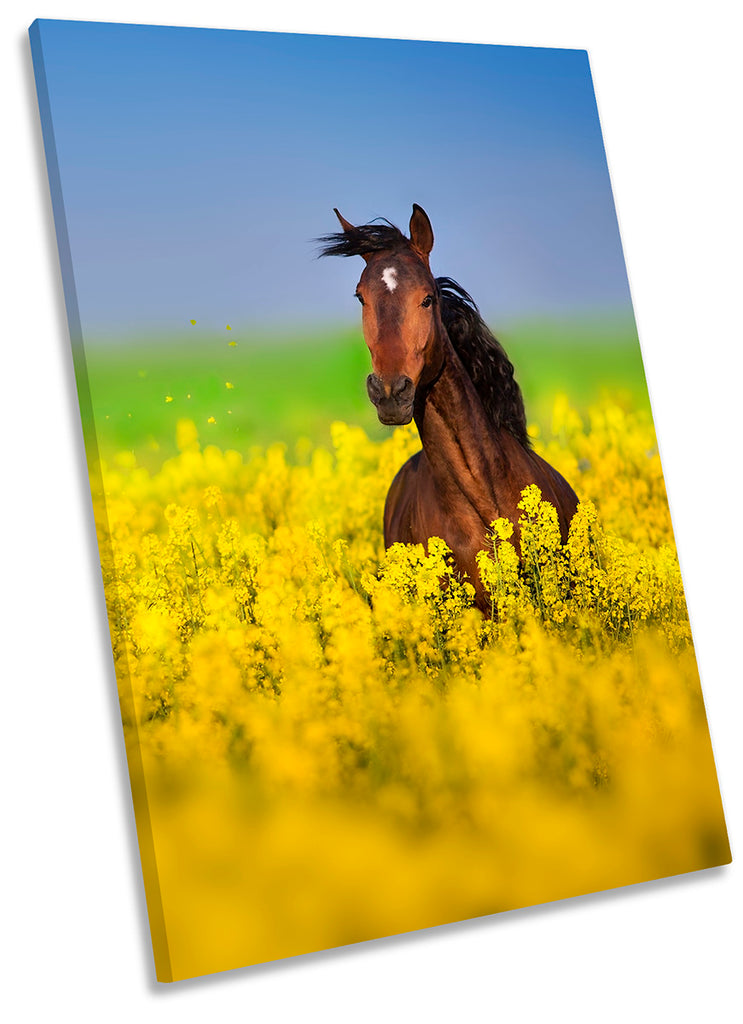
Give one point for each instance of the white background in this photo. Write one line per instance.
(668, 81)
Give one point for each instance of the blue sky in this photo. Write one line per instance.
(198, 165)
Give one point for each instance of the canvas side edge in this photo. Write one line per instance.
(137, 780)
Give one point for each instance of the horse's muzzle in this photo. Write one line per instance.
(393, 401)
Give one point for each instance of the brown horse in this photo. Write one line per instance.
(434, 359)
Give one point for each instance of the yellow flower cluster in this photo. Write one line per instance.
(596, 582)
(327, 741)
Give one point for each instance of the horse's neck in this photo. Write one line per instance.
(466, 453)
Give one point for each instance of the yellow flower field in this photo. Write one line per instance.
(328, 745)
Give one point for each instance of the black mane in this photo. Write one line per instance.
(483, 356)
(484, 359)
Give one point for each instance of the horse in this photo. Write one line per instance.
(435, 360)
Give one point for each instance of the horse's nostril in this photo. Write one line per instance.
(374, 388)
(398, 392)
(402, 388)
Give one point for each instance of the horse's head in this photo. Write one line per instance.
(400, 316)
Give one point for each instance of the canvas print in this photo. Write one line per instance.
(396, 613)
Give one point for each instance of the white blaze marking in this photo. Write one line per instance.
(389, 276)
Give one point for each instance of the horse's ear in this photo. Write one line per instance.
(345, 224)
(421, 232)
(350, 229)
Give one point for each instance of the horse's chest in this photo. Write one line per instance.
(418, 510)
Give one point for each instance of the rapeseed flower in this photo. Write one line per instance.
(337, 745)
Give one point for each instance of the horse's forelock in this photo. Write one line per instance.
(364, 240)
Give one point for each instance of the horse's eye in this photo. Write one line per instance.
(427, 301)
(359, 297)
